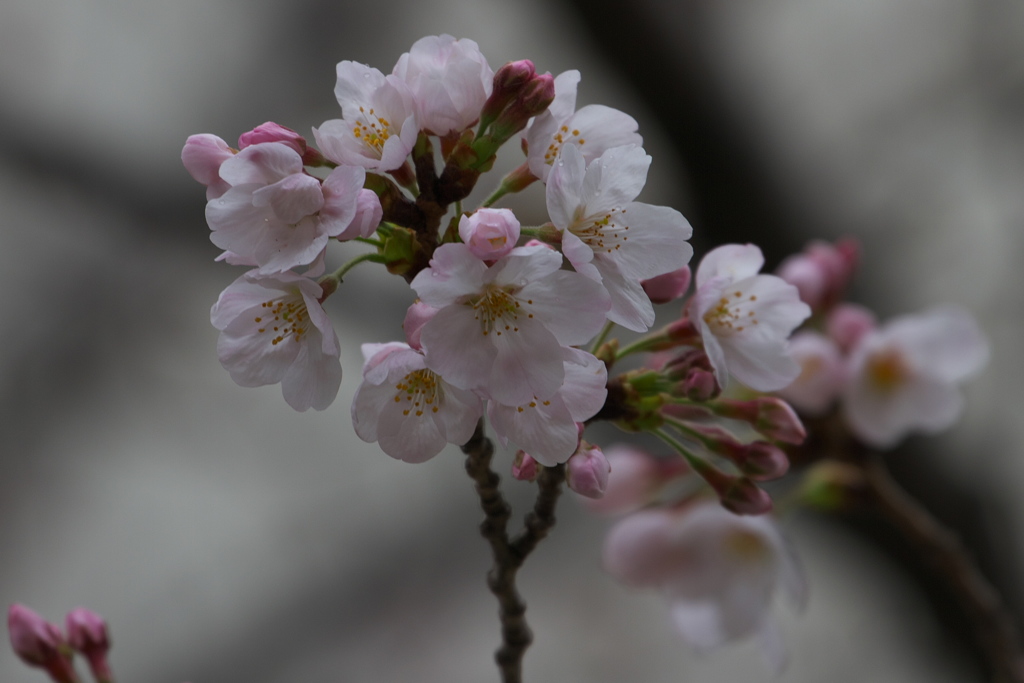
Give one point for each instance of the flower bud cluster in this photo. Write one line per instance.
(42, 644)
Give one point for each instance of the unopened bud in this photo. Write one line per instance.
(738, 494)
(415, 318)
(533, 99)
(87, 633)
(668, 287)
(524, 467)
(769, 415)
(848, 323)
(700, 385)
(489, 233)
(744, 497)
(508, 81)
(273, 132)
(586, 472)
(39, 643)
(763, 461)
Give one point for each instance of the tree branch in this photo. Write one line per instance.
(509, 555)
(996, 634)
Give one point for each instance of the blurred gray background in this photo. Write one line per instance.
(230, 539)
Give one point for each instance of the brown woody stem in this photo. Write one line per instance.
(509, 554)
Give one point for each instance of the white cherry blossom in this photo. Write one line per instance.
(720, 572)
(273, 329)
(449, 79)
(904, 375)
(546, 428)
(501, 328)
(592, 129)
(410, 410)
(745, 318)
(378, 125)
(609, 237)
(276, 216)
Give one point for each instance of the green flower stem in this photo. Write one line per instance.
(601, 336)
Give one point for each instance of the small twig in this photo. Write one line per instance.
(996, 633)
(509, 555)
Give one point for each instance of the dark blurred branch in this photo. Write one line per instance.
(509, 555)
(992, 625)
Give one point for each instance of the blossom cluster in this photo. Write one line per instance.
(510, 324)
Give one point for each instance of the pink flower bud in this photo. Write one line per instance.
(700, 385)
(489, 233)
(668, 287)
(538, 243)
(532, 99)
(508, 81)
(848, 323)
(769, 415)
(415, 318)
(809, 279)
(39, 643)
(524, 467)
(633, 481)
(87, 633)
(273, 132)
(822, 272)
(202, 156)
(368, 215)
(586, 472)
(743, 497)
(763, 461)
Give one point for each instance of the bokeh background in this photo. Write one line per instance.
(230, 539)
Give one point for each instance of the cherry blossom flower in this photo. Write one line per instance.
(378, 125)
(501, 328)
(547, 428)
(449, 79)
(202, 156)
(409, 410)
(635, 480)
(276, 216)
(610, 238)
(746, 318)
(489, 233)
(822, 373)
(592, 130)
(273, 329)
(904, 375)
(720, 572)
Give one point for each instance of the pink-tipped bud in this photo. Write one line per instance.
(367, 217)
(508, 81)
(532, 99)
(848, 323)
(538, 243)
(524, 467)
(822, 272)
(668, 287)
(202, 156)
(489, 233)
(39, 643)
(273, 132)
(744, 497)
(763, 461)
(415, 318)
(87, 633)
(700, 385)
(634, 479)
(769, 415)
(586, 472)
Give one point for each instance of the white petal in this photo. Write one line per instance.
(453, 273)
(730, 261)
